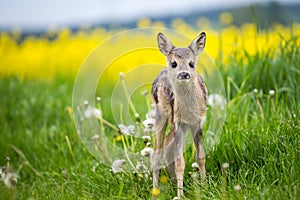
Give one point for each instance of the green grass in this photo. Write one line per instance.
(262, 146)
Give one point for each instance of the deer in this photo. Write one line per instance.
(180, 96)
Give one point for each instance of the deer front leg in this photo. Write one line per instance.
(179, 159)
(200, 154)
(156, 159)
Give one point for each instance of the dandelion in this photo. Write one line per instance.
(148, 144)
(163, 179)
(98, 99)
(155, 191)
(271, 93)
(216, 100)
(139, 166)
(69, 110)
(151, 114)
(149, 124)
(118, 138)
(86, 103)
(145, 92)
(195, 166)
(225, 166)
(117, 165)
(126, 130)
(147, 152)
(146, 138)
(92, 112)
(95, 137)
(121, 75)
(237, 188)
(255, 91)
(9, 179)
(137, 117)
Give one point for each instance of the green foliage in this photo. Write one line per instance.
(260, 140)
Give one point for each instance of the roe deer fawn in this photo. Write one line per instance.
(180, 96)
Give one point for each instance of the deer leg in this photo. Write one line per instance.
(200, 154)
(156, 159)
(170, 153)
(179, 159)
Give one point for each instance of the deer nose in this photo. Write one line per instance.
(183, 76)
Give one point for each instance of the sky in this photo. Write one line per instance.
(56, 13)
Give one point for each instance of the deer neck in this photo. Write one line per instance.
(189, 104)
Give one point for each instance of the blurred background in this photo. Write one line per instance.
(36, 16)
(41, 39)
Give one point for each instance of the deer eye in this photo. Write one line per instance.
(192, 64)
(173, 64)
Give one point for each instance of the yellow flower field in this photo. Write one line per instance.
(38, 57)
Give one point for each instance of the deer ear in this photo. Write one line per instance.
(164, 44)
(198, 43)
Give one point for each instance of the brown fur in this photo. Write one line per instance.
(180, 96)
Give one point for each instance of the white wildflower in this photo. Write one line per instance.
(216, 100)
(98, 99)
(225, 166)
(92, 112)
(121, 75)
(11, 179)
(146, 138)
(195, 166)
(148, 144)
(237, 188)
(139, 166)
(2, 173)
(126, 130)
(95, 137)
(271, 93)
(151, 114)
(149, 123)
(86, 103)
(147, 152)
(255, 91)
(117, 165)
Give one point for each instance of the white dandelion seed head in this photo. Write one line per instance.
(237, 188)
(10, 179)
(225, 165)
(151, 114)
(86, 103)
(2, 173)
(126, 130)
(149, 122)
(146, 138)
(121, 75)
(271, 93)
(117, 165)
(216, 100)
(92, 112)
(137, 115)
(95, 137)
(98, 99)
(147, 152)
(139, 166)
(255, 91)
(195, 166)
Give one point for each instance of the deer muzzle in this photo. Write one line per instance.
(183, 75)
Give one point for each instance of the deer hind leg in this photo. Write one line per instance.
(179, 159)
(156, 159)
(200, 154)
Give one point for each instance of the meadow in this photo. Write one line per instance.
(257, 156)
